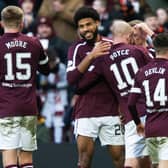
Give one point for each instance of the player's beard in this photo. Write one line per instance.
(93, 40)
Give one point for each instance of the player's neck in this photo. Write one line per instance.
(145, 44)
(11, 30)
(98, 38)
(117, 40)
(164, 56)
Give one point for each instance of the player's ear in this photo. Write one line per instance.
(78, 33)
(2, 24)
(129, 37)
(21, 26)
(97, 23)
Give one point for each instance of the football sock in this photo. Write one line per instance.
(27, 165)
(11, 166)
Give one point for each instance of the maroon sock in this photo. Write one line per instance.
(12, 166)
(27, 165)
(127, 167)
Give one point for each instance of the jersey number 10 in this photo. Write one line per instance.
(122, 84)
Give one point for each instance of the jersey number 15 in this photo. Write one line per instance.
(20, 65)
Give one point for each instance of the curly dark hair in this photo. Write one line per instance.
(85, 12)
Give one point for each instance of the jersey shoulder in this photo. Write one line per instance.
(75, 46)
(107, 39)
(33, 40)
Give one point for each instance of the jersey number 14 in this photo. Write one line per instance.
(159, 94)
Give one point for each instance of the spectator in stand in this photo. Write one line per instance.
(105, 18)
(4, 3)
(56, 95)
(61, 12)
(140, 6)
(162, 15)
(128, 11)
(152, 21)
(49, 38)
(29, 18)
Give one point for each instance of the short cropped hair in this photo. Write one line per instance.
(12, 16)
(86, 12)
(160, 43)
(132, 23)
(120, 28)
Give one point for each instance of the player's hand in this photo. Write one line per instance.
(144, 27)
(101, 48)
(141, 129)
(122, 118)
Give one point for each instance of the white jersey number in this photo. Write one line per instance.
(19, 65)
(124, 66)
(159, 93)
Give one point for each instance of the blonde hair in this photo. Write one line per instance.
(134, 22)
(12, 16)
(120, 28)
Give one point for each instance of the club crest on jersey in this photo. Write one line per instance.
(70, 62)
(91, 68)
(87, 53)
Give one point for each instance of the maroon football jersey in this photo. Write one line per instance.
(119, 69)
(20, 58)
(149, 51)
(95, 100)
(151, 82)
(152, 52)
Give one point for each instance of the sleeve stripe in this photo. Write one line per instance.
(107, 39)
(135, 90)
(72, 67)
(151, 49)
(42, 62)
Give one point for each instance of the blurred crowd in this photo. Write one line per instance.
(52, 22)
